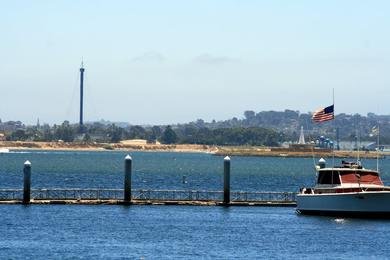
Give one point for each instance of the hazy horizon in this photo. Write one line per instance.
(174, 62)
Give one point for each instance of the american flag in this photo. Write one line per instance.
(324, 114)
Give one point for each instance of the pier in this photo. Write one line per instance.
(148, 197)
(129, 196)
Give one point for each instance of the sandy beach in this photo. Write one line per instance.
(217, 150)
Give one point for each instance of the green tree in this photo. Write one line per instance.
(115, 133)
(47, 135)
(249, 114)
(65, 132)
(156, 132)
(137, 132)
(86, 138)
(169, 136)
(18, 135)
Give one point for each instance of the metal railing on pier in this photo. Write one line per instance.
(143, 194)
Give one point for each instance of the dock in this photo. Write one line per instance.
(148, 197)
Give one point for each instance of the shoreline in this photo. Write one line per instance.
(189, 148)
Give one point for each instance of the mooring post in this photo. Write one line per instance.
(27, 182)
(226, 180)
(127, 193)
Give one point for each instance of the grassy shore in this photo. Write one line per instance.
(317, 153)
(217, 150)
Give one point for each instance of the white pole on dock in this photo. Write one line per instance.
(27, 182)
(127, 191)
(226, 180)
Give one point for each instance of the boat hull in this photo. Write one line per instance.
(356, 204)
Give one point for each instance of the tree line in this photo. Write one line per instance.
(269, 128)
(179, 134)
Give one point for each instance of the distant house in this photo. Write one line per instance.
(2, 137)
(91, 137)
(99, 137)
(79, 137)
(371, 146)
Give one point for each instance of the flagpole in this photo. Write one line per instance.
(334, 128)
(333, 97)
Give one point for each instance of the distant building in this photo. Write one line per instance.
(2, 137)
(301, 145)
(371, 146)
(351, 145)
(79, 137)
(302, 137)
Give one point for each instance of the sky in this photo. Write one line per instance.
(165, 62)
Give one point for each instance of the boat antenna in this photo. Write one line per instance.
(377, 151)
(312, 151)
(358, 141)
(311, 145)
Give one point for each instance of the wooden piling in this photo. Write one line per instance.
(27, 182)
(127, 191)
(226, 180)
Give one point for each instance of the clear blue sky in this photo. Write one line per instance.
(162, 62)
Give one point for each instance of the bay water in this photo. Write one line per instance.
(181, 232)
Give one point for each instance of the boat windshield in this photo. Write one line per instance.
(328, 177)
(361, 177)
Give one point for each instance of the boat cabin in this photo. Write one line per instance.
(350, 177)
(349, 174)
(339, 176)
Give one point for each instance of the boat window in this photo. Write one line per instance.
(349, 177)
(361, 177)
(328, 177)
(370, 178)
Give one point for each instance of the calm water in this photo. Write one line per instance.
(166, 232)
(161, 171)
(174, 232)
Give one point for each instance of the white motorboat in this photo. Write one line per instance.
(4, 150)
(347, 190)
